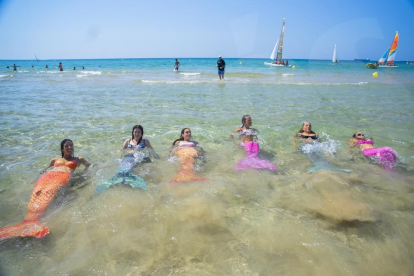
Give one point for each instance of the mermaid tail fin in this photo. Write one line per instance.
(252, 161)
(186, 176)
(27, 228)
(123, 177)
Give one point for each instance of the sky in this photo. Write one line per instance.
(176, 29)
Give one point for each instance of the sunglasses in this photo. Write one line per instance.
(360, 134)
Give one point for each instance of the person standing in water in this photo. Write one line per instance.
(176, 65)
(221, 64)
(60, 66)
(15, 67)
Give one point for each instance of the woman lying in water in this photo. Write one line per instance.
(139, 151)
(187, 151)
(386, 156)
(247, 135)
(315, 150)
(45, 190)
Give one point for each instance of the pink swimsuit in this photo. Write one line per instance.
(386, 156)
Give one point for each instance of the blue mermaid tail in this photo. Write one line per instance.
(315, 153)
(124, 175)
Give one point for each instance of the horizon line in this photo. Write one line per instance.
(39, 60)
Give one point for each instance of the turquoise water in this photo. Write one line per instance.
(237, 223)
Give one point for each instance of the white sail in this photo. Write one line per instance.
(334, 57)
(273, 55)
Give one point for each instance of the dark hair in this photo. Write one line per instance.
(301, 129)
(244, 119)
(181, 136)
(63, 143)
(142, 132)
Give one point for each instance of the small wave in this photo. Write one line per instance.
(190, 74)
(54, 72)
(328, 145)
(172, 81)
(3, 76)
(324, 83)
(286, 75)
(193, 81)
(92, 72)
(81, 76)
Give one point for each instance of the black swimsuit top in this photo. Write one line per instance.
(314, 137)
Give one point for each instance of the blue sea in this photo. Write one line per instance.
(238, 223)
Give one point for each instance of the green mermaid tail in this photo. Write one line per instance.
(123, 177)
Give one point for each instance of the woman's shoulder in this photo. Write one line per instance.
(238, 129)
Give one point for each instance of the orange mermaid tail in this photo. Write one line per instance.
(186, 176)
(187, 156)
(43, 194)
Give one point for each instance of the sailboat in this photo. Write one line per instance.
(387, 59)
(335, 56)
(276, 55)
(37, 60)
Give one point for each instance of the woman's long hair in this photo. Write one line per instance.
(244, 119)
(301, 129)
(181, 136)
(62, 144)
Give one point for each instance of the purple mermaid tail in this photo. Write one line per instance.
(252, 161)
(386, 156)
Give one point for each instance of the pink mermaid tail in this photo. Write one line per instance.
(252, 161)
(43, 194)
(386, 156)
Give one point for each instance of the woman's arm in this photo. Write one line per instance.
(84, 162)
(51, 163)
(125, 145)
(151, 149)
(352, 143)
(231, 136)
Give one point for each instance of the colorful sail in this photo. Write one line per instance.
(384, 57)
(393, 50)
(282, 34)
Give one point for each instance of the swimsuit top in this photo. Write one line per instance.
(314, 137)
(247, 132)
(360, 142)
(186, 144)
(71, 164)
(141, 145)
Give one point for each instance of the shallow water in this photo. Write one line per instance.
(237, 223)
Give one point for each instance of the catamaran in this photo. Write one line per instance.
(276, 55)
(387, 59)
(335, 56)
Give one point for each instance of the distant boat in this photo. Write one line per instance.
(276, 55)
(335, 56)
(36, 58)
(387, 59)
(362, 59)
